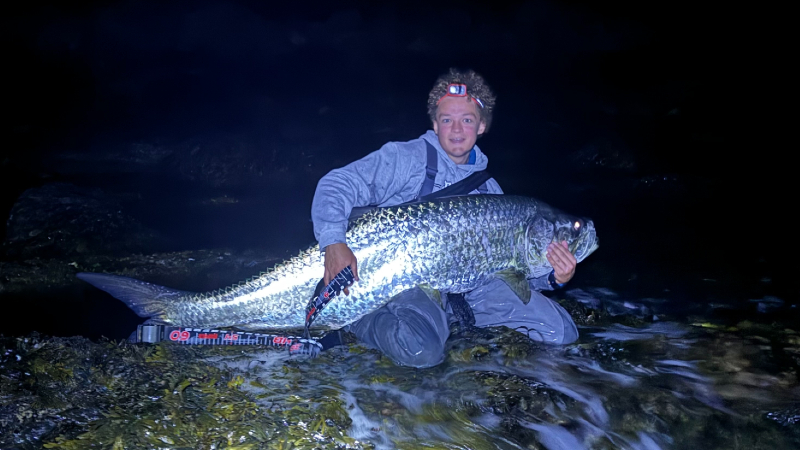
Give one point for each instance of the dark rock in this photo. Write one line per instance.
(223, 161)
(126, 157)
(63, 220)
(198, 269)
(605, 155)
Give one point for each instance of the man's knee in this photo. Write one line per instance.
(411, 331)
(557, 334)
(570, 331)
(541, 319)
(552, 323)
(567, 332)
(419, 341)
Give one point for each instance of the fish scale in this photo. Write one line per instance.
(452, 245)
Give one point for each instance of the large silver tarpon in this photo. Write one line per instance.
(452, 244)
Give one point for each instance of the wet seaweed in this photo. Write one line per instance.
(697, 384)
(71, 393)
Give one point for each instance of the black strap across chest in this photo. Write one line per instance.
(476, 180)
(432, 168)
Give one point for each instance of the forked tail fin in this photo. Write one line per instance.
(145, 299)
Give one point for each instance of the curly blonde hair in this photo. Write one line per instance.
(476, 88)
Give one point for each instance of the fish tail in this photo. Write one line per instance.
(145, 299)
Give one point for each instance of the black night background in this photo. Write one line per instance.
(143, 138)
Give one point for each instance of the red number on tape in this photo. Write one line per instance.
(281, 340)
(177, 335)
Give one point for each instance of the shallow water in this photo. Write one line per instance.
(661, 385)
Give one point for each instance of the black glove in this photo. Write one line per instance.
(461, 310)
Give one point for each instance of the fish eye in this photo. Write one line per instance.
(577, 225)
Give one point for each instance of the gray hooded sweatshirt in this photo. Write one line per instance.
(386, 177)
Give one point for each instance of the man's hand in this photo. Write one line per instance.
(561, 259)
(337, 257)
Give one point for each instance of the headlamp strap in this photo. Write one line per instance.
(460, 90)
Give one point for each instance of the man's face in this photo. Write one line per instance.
(458, 124)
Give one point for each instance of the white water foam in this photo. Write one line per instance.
(363, 428)
(618, 332)
(554, 437)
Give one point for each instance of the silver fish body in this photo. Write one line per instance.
(451, 245)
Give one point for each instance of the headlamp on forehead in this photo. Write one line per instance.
(459, 90)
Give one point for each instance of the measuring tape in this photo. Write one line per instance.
(197, 336)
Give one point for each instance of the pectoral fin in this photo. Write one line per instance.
(517, 282)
